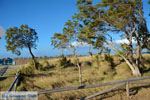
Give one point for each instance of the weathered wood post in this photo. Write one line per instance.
(127, 89)
(15, 87)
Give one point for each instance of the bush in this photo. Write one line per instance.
(117, 60)
(86, 63)
(44, 65)
(64, 62)
(22, 87)
(27, 69)
(106, 68)
(109, 59)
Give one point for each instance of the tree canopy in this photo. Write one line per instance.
(94, 22)
(19, 38)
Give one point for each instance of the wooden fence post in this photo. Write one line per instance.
(14, 82)
(15, 86)
(127, 89)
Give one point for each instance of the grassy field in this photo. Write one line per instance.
(96, 69)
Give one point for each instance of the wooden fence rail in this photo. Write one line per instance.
(6, 76)
(130, 80)
(14, 82)
(102, 92)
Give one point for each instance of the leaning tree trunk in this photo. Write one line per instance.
(131, 62)
(33, 57)
(135, 70)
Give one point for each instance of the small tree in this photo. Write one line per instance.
(19, 38)
(65, 40)
(71, 30)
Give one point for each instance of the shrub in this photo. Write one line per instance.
(27, 69)
(22, 87)
(44, 65)
(64, 62)
(117, 60)
(86, 63)
(109, 59)
(106, 68)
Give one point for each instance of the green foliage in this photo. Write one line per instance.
(69, 35)
(64, 62)
(108, 15)
(93, 23)
(86, 35)
(59, 40)
(22, 37)
(117, 12)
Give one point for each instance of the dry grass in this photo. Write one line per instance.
(5, 83)
(61, 77)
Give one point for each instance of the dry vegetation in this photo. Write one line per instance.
(5, 83)
(51, 75)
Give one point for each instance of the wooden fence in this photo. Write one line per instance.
(14, 83)
(117, 84)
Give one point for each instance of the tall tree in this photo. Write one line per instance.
(125, 16)
(22, 37)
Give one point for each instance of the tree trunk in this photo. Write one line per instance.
(138, 50)
(138, 56)
(135, 70)
(90, 53)
(78, 65)
(33, 57)
(130, 47)
(80, 73)
(131, 63)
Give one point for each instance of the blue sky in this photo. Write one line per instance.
(45, 16)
